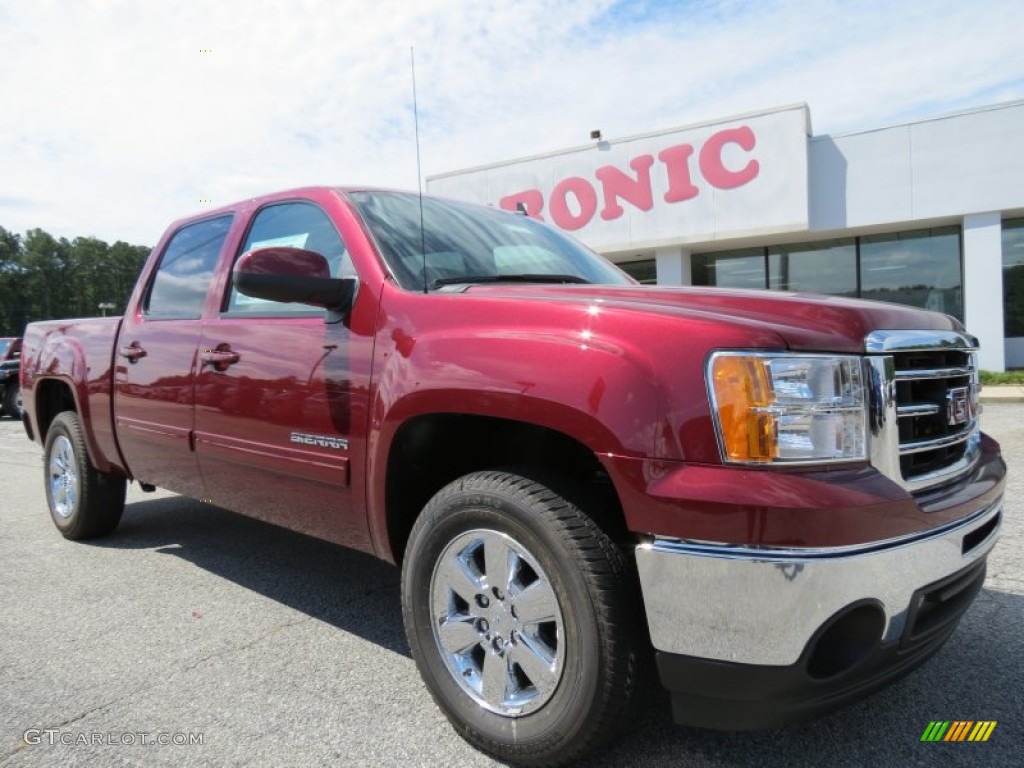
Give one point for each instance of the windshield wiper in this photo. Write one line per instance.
(520, 278)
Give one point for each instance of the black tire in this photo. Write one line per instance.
(12, 401)
(596, 628)
(84, 502)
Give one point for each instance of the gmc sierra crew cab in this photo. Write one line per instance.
(778, 502)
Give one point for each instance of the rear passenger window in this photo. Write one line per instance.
(292, 225)
(186, 268)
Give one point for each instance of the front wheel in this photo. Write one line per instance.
(83, 501)
(520, 613)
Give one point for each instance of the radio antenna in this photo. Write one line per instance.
(419, 172)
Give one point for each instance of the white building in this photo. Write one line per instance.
(929, 213)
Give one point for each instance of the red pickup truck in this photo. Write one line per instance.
(783, 501)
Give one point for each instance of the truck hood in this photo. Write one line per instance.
(806, 322)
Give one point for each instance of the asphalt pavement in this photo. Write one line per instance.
(241, 644)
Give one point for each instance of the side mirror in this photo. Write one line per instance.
(294, 275)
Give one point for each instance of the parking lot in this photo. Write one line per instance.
(274, 649)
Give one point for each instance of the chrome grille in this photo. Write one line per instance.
(924, 411)
(935, 393)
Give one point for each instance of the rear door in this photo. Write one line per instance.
(281, 396)
(155, 359)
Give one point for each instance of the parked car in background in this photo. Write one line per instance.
(10, 366)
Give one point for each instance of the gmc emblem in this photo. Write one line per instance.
(958, 406)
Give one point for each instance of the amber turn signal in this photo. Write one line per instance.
(743, 396)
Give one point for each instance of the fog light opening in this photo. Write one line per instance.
(845, 640)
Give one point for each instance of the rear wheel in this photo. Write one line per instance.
(520, 614)
(83, 501)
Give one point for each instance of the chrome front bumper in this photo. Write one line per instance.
(763, 606)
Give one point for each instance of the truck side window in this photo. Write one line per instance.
(294, 225)
(186, 268)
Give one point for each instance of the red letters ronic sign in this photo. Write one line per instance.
(636, 188)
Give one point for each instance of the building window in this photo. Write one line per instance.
(730, 269)
(825, 267)
(1013, 277)
(920, 268)
(642, 271)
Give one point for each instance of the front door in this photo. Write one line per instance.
(281, 396)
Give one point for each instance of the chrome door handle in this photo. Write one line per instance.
(133, 352)
(220, 358)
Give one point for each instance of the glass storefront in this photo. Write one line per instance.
(643, 271)
(1013, 277)
(730, 269)
(799, 267)
(920, 268)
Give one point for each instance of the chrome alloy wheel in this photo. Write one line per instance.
(497, 622)
(63, 477)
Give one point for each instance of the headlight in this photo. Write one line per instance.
(788, 408)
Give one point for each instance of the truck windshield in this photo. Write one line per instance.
(5, 344)
(465, 243)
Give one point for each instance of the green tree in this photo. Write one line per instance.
(49, 286)
(126, 262)
(12, 277)
(43, 277)
(90, 264)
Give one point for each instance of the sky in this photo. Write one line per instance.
(117, 117)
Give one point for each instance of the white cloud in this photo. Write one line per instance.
(115, 121)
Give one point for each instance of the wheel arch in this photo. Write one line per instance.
(52, 395)
(428, 451)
